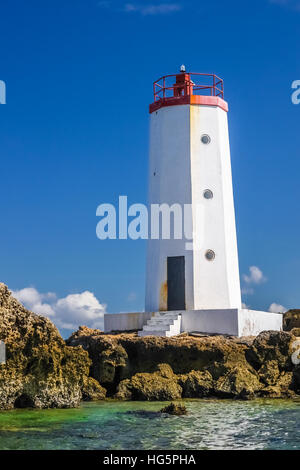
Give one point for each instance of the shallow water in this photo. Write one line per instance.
(112, 425)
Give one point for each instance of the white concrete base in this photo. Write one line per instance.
(126, 321)
(235, 322)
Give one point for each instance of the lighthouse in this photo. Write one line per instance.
(192, 271)
(190, 165)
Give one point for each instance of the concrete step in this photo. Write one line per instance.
(152, 333)
(156, 327)
(162, 324)
(166, 315)
(162, 321)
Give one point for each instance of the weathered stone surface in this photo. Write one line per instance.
(295, 331)
(238, 382)
(40, 370)
(174, 409)
(196, 384)
(156, 368)
(296, 379)
(44, 371)
(159, 385)
(272, 346)
(109, 358)
(291, 319)
(92, 390)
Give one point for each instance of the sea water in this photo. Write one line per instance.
(112, 425)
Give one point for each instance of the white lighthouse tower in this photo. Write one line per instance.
(192, 282)
(190, 165)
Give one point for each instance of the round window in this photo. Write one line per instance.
(210, 255)
(205, 139)
(208, 194)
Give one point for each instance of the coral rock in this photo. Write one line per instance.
(40, 370)
(174, 409)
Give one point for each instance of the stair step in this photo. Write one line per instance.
(161, 322)
(164, 324)
(166, 315)
(152, 333)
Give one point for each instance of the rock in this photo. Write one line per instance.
(281, 388)
(174, 409)
(271, 352)
(296, 379)
(40, 370)
(272, 346)
(196, 384)
(160, 385)
(238, 382)
(157, 368)
(269, 372)
(295, 331)
(109, 358)
(92, 390)
(291, 319)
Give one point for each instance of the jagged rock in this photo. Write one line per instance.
(269, 372)
(109, 358)
(282, 387)
(160, 385)
(92, 390)
(156, 368)
(174, 409)
(40, 370)
(238, 382)
(296, 379)
(272, 346)
(196, 384)
(295, 331)
(291, 319)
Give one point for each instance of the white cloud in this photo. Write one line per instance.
(34, 301)
(151, 9)
(255, 276)
(68, 312)
(277, 308)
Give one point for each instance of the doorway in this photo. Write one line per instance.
(176, 282)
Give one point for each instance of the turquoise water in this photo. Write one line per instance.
(111, 425)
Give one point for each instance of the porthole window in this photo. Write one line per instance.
(208, 194)
(210, 255)
(205, 139)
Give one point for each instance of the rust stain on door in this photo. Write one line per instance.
(163, 297)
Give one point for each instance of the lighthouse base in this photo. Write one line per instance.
(233, 322)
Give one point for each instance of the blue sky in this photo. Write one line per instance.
(74, 134)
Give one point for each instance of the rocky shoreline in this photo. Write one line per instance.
(44, 371)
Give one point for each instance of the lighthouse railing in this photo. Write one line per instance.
(194, 83)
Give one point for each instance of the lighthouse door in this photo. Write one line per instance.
(176, 282)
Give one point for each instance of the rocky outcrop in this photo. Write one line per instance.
(160, 385)
(174, 409)
(156, 368)
(40, 370)
(92, 390)
(291, 319)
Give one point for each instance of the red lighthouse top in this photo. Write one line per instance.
(189, 88)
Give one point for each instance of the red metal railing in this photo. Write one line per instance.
(188, 84)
